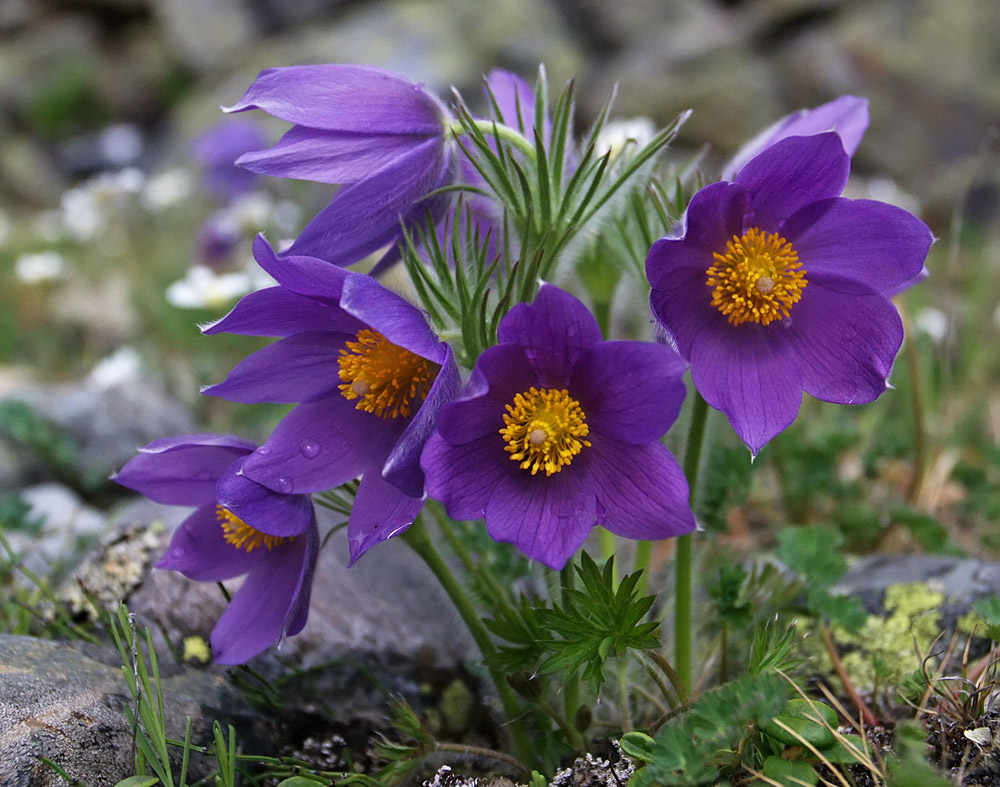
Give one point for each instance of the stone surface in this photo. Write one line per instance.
(67, 702)
(108, 423)
(962, 581)
(66, 523)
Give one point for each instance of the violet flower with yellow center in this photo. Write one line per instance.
(238, 527)
(777, 285)
(558, 431)
(368, 376)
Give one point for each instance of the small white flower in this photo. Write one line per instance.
(166, 189)
(203, 288)
(931, 322)
(624, 136)
(251, 211)
(39, 267)
(121, 143)
(86, 208)
(122, 366)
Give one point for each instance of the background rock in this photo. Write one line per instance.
(67, 703)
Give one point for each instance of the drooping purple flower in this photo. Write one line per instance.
(369, 377)
(559, 430)
(217, 150)
(779, 286)
(846, 115)
(383, 138)
(238, 527)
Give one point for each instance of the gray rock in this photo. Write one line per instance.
(66, 524)
(206, 34)
(108, 423)
(67, 703)
(962, 581)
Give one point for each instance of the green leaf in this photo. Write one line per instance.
(596, 623)
(847, 750)
(810, 722)
(814, 553)
(642, 778)
(300, 781)
(687, 752)
(844, 611)
(637, 745)
(792, 773)
(139, 781)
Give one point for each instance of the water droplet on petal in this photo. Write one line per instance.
(177, 552)
(285, 485)
(309, 449)
(263, 450)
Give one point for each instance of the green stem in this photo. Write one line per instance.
(420, 542)
(682, 573)
(506, 133)
(571, 695)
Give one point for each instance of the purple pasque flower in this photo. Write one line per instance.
(779, 286)
(558, 431)
(368, 375)
(383, 138)
(846, 115)
(238, 527)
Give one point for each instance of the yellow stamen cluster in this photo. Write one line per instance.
(242, 536)
(382, 376)
(544, 429)
(758, 279)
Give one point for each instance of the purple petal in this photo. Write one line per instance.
(791, 174)
(263, 509)
(641, 491)
(303, 275)
(365, 215)
(301, 368)
(501, 372)
(327, 156)
(462, 477)
(714, 215)
(199, 551)
(182, 471)
(270, 599)
(320, 445)
(682, 303)
(846, 115)
(871, 242)
(393, 316)
(553, 330)
(629, 390)
(276, 311)
(350, 98)
(402, 467)
(547, 517)
(380, 511)
(846, 337)
(515, 98)
(751, 374)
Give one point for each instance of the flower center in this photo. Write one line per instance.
(544, 429)
(242, 536)
(382, 376)
(758, 279)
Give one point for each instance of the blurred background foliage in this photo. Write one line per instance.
(102, 206)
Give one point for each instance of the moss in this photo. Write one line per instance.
(887, 648)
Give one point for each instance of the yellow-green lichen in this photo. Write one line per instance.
(887, 648)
